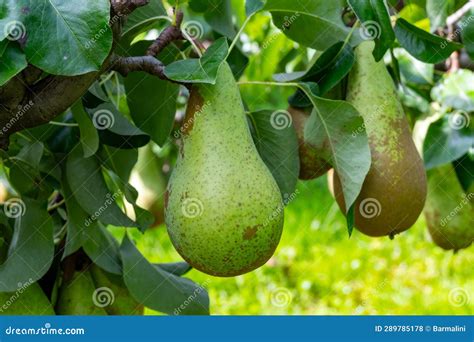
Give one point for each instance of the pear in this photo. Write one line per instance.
(311, 165)
(223, 208)
(123, 303)
(449, 211)
(78, 296)
(394, 192)
(27, 300)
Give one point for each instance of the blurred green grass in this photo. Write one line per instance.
(317, 269)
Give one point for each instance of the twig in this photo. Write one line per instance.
(124, 7)
(169, 34)
(455, 17)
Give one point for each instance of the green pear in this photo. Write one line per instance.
(449, 211)
(78, 296)
(27, 300)
(123, 303)
(311, 165)
(223, 208)
(394, 192)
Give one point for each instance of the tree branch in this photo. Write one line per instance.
(125, 7)
(168, 35)
(149, 64)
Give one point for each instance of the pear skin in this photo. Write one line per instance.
(449, 212)
(77, 297)
(27, 300)
(394, 191)
(223, 208)
(311, 165)
(123, 302)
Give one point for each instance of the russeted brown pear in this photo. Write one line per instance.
(223, 208)
(449, 211)
(311, 164)
(394, 191)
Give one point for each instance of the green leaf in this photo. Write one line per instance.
(24, 168)
(350, 220)
(467, 34)
(218, 14)
(87, 183)
(10, 24)
(153, 9)
(412, 70)
(31, 250)
(422, 45)
(448, 139)
(97, 242)
(143, 217)
(376, 25)
(67, 38)
(277, 143)
(158, 289)
(315, 24)
(327, 71)
(456, 90)
(114, 129)
(438, 11)
(102, 248)
(76, 221)
(12, 61)
(202, 70)
(89, 135)
(176, 268)
(121, 162)
(253, 6)
(464, 167)
(339, 128)
(152, 101)
(238, 62)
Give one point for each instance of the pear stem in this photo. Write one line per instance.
(236, 38)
